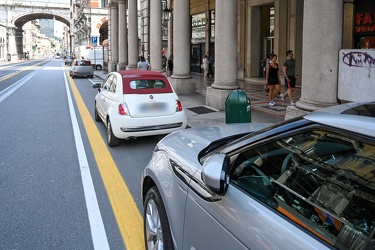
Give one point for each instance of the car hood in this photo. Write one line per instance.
(184, 146)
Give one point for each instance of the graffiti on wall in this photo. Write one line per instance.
(356, 79)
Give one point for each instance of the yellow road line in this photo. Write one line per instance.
(128, 217)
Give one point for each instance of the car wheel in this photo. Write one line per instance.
(156, 226)
(112, 140)
(92, 76)
(98, 67)
(97, 117)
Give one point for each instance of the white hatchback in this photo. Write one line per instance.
(135, 103)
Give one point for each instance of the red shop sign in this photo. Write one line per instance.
(365, 22)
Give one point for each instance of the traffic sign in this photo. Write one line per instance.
(94, 40)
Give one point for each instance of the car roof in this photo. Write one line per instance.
(139, 73)
(355, 117)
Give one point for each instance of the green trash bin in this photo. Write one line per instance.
(237, 107)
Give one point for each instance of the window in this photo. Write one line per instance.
(113, 84)
(147, 84)
(108, 82)
(321, 180)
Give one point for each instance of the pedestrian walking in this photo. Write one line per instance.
(210, 64)
(164, 60)
(143, 64)
(205, 66)
(272, 80)
(289, 69)
(170, 64)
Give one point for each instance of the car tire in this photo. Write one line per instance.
(97, 117)
(98, 67)
(112, 140)
(156, 221)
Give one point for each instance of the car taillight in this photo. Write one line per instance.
(90, 63)
(123, 109)
(75, 63)
(178, 106)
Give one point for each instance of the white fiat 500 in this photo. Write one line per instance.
(135, 103)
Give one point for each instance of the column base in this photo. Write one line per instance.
(304, 107)
(112, 66)
(183, 85)
(121, 66)
(131, 67)
(216, 97)
(293, 111)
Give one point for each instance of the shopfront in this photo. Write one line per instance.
(364, 24)
(198, 39)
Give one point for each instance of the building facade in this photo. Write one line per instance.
(239, 34)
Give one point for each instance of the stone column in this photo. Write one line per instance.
(113, 38)
(181, 79)
(155, 35)
(225, 54)
(122, 35)
(320, 56)
(133, 35)
(72, 45)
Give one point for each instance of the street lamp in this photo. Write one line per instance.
(166, 12)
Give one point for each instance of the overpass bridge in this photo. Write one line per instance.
(15, 13)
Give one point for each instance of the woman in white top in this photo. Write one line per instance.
(205, 63)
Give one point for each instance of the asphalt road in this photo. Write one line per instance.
(61, 187)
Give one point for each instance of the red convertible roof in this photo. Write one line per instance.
(144, 82)
(139, 73)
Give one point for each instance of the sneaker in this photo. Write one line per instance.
(272, 103)
(282, 97)
(292, 103)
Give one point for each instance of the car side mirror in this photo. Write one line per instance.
(215, 173)
(97, 86)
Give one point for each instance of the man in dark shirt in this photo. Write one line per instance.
(289, 69)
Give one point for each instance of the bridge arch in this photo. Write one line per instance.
(20, 20)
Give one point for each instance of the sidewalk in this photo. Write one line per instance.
(201, 115)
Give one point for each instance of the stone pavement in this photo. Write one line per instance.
(199, 114)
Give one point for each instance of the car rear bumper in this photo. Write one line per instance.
(124, 127)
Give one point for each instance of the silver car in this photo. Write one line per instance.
(306, 183)
(81, 67)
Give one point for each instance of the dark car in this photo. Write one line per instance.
(68, 60)
(81, 67)
(306, 183)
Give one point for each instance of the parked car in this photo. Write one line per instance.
(135, 103)
(81, 67)
(68, 60)
(306, 183)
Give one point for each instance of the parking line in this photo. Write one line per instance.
(128, 217)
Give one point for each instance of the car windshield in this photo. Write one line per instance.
(322, 180)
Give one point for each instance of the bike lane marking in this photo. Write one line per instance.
(128, 217)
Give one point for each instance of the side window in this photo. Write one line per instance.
(321, 180)
(113, 85)
(107, 83)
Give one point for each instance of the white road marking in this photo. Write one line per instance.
(98, 234)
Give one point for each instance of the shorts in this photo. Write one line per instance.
(291, 83)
